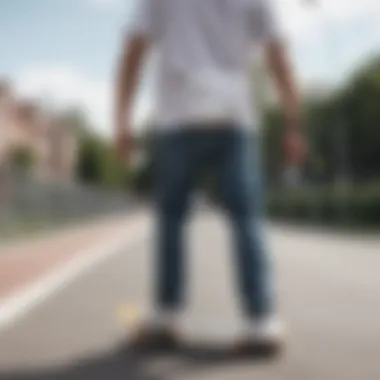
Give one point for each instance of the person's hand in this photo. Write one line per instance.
(295, 146)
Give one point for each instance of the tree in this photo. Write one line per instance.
(360, 103)
(347, 119)
(90, 156)
(98, 164)
(22, 158)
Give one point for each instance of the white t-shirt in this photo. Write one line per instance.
(204, 49)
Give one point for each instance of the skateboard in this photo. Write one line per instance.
(196, 339)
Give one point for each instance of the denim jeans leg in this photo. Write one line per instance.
(240, 182)
(175, 172)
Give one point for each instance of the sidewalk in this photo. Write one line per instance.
(24, 262)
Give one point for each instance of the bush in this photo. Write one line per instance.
(23, 158)
(360, 205)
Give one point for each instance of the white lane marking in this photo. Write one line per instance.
(16, 306)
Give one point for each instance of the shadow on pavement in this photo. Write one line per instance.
(123, 364)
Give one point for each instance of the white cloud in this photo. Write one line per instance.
(302, 15)
(321, 34)
(63, 87)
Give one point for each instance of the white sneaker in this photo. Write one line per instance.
(157, 330)
(269, 330)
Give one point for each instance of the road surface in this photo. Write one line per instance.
(329, 295)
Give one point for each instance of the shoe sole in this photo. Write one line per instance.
(268, 349)
(152, 342)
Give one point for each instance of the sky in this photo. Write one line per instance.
(65, 51)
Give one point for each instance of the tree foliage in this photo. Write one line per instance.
(22, 158)
(343, 129)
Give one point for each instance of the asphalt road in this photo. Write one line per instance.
(329, 295)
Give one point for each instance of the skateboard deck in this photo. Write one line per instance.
(202, 338)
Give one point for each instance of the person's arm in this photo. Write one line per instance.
(136, 42)
(128, 75)
(268, 31)
(281, 70)
(282, 74)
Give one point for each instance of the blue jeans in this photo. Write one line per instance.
(232, 154)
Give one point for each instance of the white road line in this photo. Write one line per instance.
(16, 306)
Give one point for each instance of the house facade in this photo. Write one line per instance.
(49, 139)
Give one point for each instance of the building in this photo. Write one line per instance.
(62, 148)
(48, 139)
